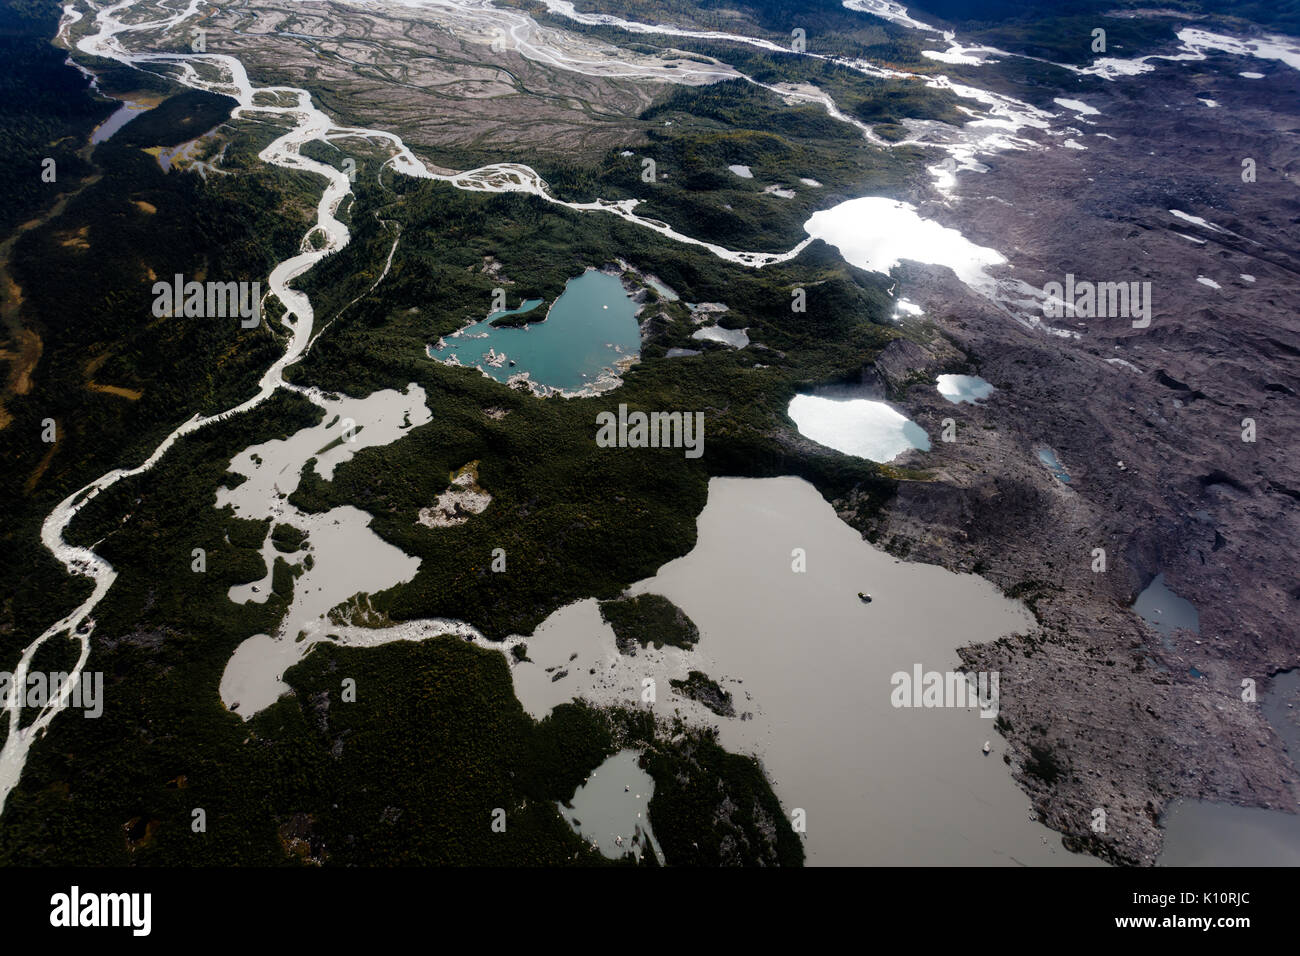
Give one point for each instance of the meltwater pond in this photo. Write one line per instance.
(589, 332)
(964, 388)
(1053, 464)
(858, 426)
(877, 233)
(1166, 611)
(611, 808)
(1201, 833)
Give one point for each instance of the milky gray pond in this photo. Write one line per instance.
(1164, 610)
(610, 810)
(809, 667)
(1201, 833)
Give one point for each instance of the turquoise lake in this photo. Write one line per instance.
(591, 326)
(1048, 458)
